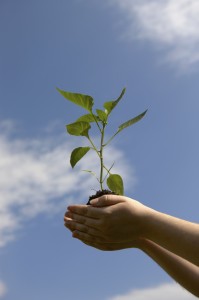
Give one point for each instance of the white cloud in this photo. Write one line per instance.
(36, 177)
(163, 292)
(3, 289)
(171, 25)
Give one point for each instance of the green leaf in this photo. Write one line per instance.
(92, 173)
(78, 128)
(77, 154)
(109, 106)
(102, 115)
(87, 118)
(84, 101)
(115, 184)
(132, 121)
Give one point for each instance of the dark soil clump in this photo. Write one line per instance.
(99, 194)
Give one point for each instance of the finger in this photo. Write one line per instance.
(86, 211)
(72, 217)
(85, 236)
(107, 200)
(68, 215)
(67, 223)
(73, 225)
(68, 227)
(96, 245)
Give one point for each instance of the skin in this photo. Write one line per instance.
(118, 222)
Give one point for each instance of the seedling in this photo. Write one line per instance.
(82, 126)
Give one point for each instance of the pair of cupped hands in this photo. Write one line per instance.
(109, 223)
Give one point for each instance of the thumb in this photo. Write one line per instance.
(106, 200)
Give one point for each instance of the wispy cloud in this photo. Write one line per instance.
(3, 289)
(35, 178)
(163, 292)
(170, 25)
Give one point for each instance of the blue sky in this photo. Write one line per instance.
(97, 48)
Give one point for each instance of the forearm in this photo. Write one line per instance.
(178, 236)
(182, 271)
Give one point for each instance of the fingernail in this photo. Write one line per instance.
(67, 221)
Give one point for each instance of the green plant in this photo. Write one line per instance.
(82, 126)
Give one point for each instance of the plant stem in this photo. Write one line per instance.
(96, 122)
(108, 171)
(100, 153)
(94, 147)
(111, 138)
(101, 157)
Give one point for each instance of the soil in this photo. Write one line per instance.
(99, 194)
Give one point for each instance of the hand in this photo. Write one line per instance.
(109, 223)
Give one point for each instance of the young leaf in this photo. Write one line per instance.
(87, 118)
(84, 101)
(92, 173)
(77, 154)
(102, 115)
(115, 184)
(78, 128)
(109, 106)
(132, 121)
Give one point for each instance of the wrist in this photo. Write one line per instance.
(146, 220)
(141, 243)
(155, 226)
